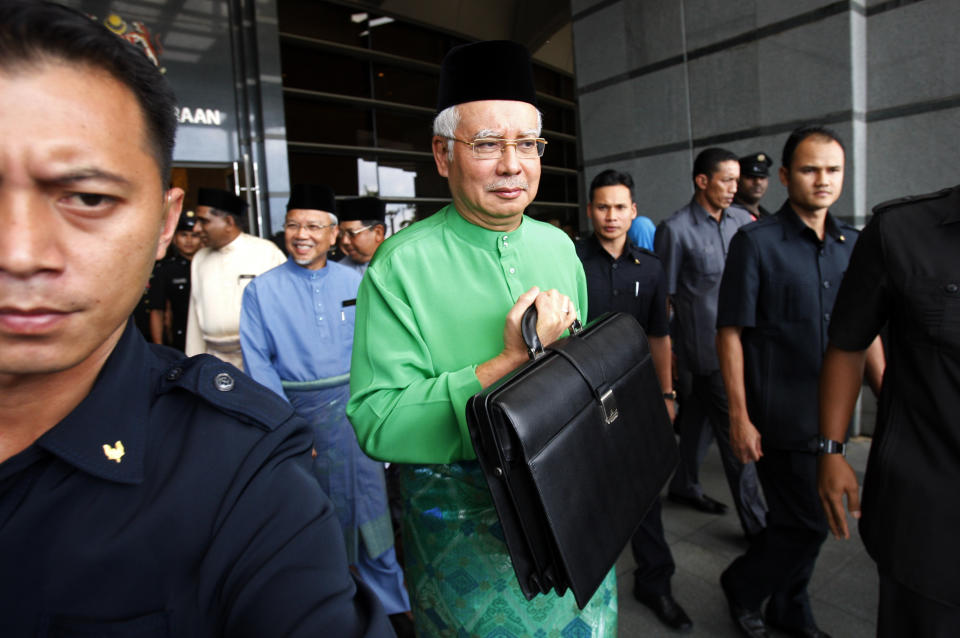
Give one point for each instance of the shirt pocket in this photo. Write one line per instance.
(796, 301)
(708, 260)
(150, 625)
(933, 307)
(347, 318)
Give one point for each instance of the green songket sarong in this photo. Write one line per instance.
(459, 573)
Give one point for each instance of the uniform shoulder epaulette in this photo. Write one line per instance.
(640, 250)
(227, 389)
(912, 199)
(760, 224)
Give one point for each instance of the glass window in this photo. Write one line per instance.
(396, 84)
(320, 20)
(337, 171)
(411, 41)
(305, 67)
(407, 131)
(326, 123)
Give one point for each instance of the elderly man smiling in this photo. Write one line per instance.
(296, 330)
(438, 319)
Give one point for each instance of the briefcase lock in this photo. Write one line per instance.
(608, 403)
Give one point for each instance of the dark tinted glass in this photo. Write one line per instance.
(327, 123)
(396, 84)
(407, 131)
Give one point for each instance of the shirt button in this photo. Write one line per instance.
(223, 382)
(614, 266)
(616, 293)
(513, 270)
(952, 288)
(826, 284)
(826, 316)
(174, 374)
(506, 237)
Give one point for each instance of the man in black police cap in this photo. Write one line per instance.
(141, 492)
(752, 185)
(438, 319)
(220, 272)
(169, 291)
(362, 230)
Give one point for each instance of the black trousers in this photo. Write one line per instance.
(703, 411)
(780, 562)
(904, 612)
(655, 564)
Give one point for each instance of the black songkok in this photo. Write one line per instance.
(491, 70)
(221, 200)
(312, 197)
(362, 209)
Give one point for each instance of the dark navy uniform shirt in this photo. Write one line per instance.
(171, 281)
(905, 273)
(779, 285)
(176, 500)
(633, 283)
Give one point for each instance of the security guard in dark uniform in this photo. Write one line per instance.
(777, 293)
(904, 274)
(624, 278)
(141, 493)
(753, 183)
(170, 284)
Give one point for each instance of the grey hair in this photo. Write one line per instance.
(447, 121)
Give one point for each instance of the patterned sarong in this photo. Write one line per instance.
(459, 572)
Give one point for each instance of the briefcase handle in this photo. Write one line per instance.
(528, 328)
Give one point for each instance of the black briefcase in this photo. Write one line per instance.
(576, 445)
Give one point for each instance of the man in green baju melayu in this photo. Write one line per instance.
(438, 319)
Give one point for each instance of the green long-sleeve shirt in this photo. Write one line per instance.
(431, 308)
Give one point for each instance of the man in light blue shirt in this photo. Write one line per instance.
(296, 331)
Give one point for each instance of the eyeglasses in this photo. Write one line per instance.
(313, 229)
(494, 147)
(353, 232)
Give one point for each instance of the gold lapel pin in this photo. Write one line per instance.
(114, 452)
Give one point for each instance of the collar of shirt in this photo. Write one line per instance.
(479, 236)
(233, 245)
(595, 248)
(699, 213)
(305, 273)
(81, 439)
(792, 224)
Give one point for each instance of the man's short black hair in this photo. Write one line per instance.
(611, 177)
(34, 33)
(802, 133)
(709, 158)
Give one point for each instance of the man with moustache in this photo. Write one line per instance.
(169, 291)
(362, 230)
(752, 185)
(141, 493)
(219, 273)
(777, 293)
(296, 330)
(622, 277)
(692, 244)
(438, 319)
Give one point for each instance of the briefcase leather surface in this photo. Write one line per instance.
(575, 445)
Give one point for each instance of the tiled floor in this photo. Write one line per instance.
(844, 585)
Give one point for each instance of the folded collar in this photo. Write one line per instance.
(106, 434)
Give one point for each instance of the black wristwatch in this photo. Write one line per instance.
(829, 446)
(670, 395)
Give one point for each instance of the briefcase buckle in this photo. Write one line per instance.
(608, 403)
